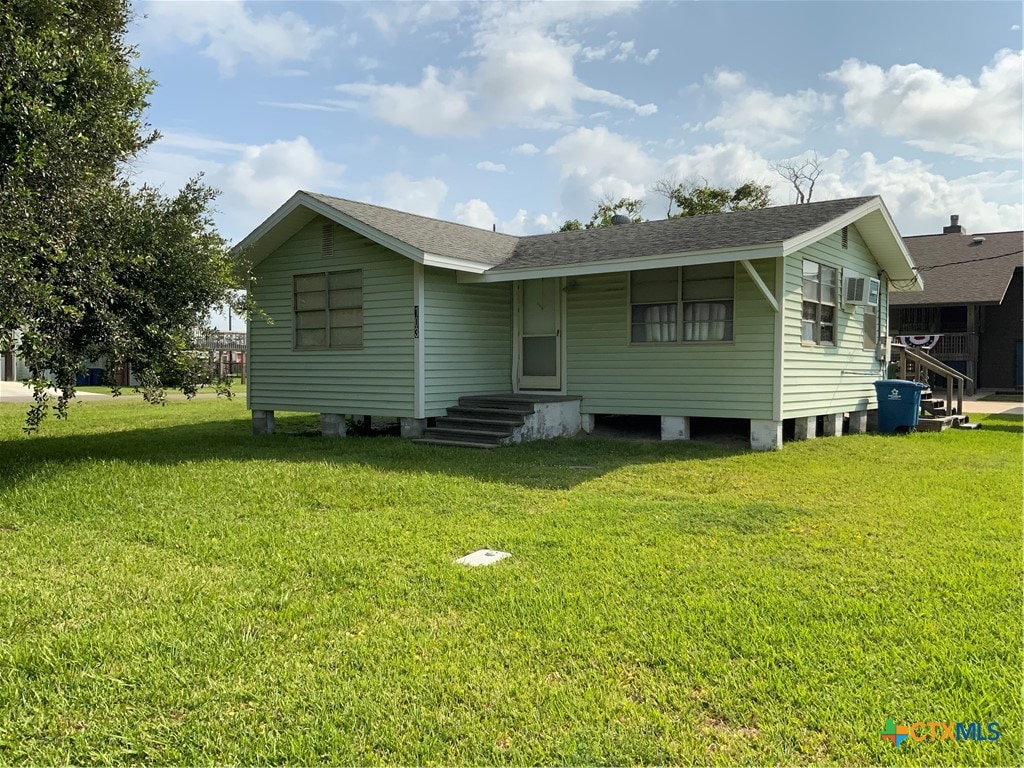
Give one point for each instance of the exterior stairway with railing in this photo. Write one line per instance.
(936, 415)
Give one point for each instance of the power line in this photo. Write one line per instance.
(967, 261)
(900, 284)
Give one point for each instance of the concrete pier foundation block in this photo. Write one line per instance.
(587, 422)
(332, 424)
(675, 427)
(263, 422)
(806, 427)
(412, 427)
(858, 422)
(765, 435)
(833, 425)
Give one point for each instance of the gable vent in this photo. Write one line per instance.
(327, 240)
(846, 237)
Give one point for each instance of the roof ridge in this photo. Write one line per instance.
(803, 206)
(407, 213)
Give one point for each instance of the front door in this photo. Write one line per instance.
(540, 334)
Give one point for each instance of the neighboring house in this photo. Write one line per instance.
(731, 316)
(972, 298)
(12, 367)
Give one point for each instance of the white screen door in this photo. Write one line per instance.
(540, 330)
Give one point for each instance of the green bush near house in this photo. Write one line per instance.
(175, 590)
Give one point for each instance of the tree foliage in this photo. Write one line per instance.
(90, 266)
(607, 208)
(690, 198)
(699, 198)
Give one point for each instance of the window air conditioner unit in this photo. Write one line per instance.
(859, 290)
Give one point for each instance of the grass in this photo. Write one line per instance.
(174, 590)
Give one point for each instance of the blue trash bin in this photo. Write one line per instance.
(899, 405)
(95, 376)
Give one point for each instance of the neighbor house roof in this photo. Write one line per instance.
(491, 256)
(963, 269)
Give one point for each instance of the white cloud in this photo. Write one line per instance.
(367, 62)
(431, 108)
(232, 32)
(487, 165)
(920, 199)
(303, 106)
(952, 115)
(475, 213)
(723, 164)
(759, 117)
(393, 18)
(524, 73)
(526, 149)
(254, 179)
(625, 49)
(422, 196)
(266, 175)
(595, 162)
(650, 56)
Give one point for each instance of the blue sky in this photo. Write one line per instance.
(521, 115)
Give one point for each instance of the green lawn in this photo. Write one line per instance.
(174, 590)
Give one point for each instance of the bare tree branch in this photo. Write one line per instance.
(801, 173)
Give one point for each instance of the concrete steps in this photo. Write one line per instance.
(485, 421)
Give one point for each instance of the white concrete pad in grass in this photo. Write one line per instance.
(483, 557)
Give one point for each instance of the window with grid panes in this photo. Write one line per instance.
(702, 310)
(819, 305)
(329, 310)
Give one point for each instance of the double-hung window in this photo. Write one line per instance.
(329, 310)
(687, 304)
(819, 305)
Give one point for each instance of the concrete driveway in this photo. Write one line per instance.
(16, 392)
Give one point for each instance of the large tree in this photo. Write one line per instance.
(91, 266)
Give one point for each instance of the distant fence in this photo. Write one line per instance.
(226, 352)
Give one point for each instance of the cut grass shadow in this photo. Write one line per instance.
(551, 464)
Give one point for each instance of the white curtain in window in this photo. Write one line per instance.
(660, 322)
(704, 322)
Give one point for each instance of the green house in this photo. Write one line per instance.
(765, 316)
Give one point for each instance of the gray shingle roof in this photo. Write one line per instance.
(443, 238)
(689, 233)
(983, 280)
(504, 252)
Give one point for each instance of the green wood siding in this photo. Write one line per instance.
(467, 339)
(726, 379)
(814, 381)
(375, 380)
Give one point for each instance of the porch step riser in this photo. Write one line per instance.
(513, 404)
(496, 415)
(468, 425)
(455, 443)
(468, 434)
